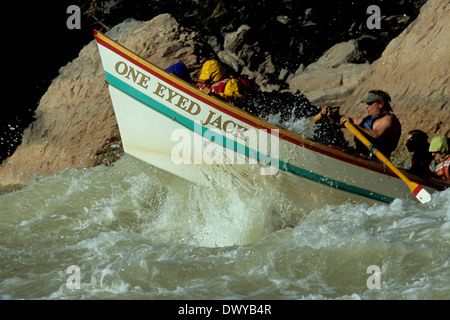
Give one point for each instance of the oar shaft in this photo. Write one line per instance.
(318, 117)
(421, 194)
(375, 151)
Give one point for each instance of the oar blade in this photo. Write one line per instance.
(421, 194)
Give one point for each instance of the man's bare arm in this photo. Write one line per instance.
(382, 127)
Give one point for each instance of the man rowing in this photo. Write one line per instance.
(380, 126)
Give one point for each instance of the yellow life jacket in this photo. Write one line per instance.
(231, 89)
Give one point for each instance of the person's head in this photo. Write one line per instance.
(213, 71)
(439, 146)
(417, 140)
(377, 102)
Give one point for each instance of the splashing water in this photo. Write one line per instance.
(136, 232)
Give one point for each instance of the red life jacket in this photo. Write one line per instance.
(219, 86)
(233, 90)
(441, 169)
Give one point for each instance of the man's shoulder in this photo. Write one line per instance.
(386, 118)
(390, 118)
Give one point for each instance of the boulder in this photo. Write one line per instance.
(415, 70)
(332, 76)
(75, 125)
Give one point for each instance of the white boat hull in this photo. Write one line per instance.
(170, 124)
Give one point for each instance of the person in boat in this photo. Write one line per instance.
(328, 130)
(417, 144)
(381, 126)
(441, 162)
(181, 71)
(216, 80)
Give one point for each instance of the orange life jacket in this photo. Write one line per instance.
(441, 169)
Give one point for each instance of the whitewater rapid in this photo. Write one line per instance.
(131, 231)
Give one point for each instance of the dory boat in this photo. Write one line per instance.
(170, 124)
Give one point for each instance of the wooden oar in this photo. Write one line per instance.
(315, 119)
(420, 193)
(319, 116)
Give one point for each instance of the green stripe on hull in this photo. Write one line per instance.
(226, 142)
